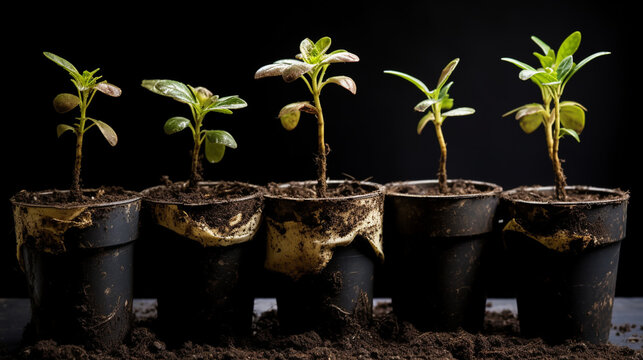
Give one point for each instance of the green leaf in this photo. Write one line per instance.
(275, 69)
(62, 63)
(545, 48)
(215, 143)
(220, 137)
(444, 91)
(529, 123)
(306, 48)
(227, 102)
(65, 102)
(459, 112)
(289, 114)
(425, 120)
(568, 47)
(107, 131)
(425, 104)
(420, 85)
(570, 132)
(321, 46)
(529, 110)
(290, 120)
(447, 103)
(176, 124)
(572, 117)
(446, 72)
(565, 67)
(522, 107)
(62, 128)
(527, 74)
(545, 61)
(108, 89)
(170, 88)
(295, 71)
(339, 56)
(343, 81)
(519, 64)
(584, 62)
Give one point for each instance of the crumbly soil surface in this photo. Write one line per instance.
(573, 195)
(456, 187)
(179, 192)
(384, 338)
(308, 190)
(65, 198)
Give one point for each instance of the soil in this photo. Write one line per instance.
(308, 190)
(179, 192)
(384, 338)
(456, 187)
(578, 194)
(65, 198)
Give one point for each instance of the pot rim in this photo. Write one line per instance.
(622, 195)
(378, 189)
(135, 196)
(495, 189)
(259, 191)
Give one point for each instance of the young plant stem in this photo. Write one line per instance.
(80, 132)
(195, 176)
(442, 169)
(559, 176)
(322, 186)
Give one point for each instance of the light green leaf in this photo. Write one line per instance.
(527, 74)
(295, 71)
(107, 131)
(584, 62)
(65, 102)
(290, 120)
(170, 88)
(62, 63)
(519, 64)
(339, 56)
(420, 85)
(214, 152)
(459, 112)
(546, 61)
(220, 137)
(447, 103)
(444, 91)
(425, 120)
(306, 48)
(529, 110)
(446, 72)
(425, 104)
(289, 114)
(570, 132)
(572, 117)
(529, 123)
(343, 81)
(568, 47)
(564, 67)
(227, 103)
(522, 107)
(176, 124)
(545, 48)
(321, 46)
(62, 128)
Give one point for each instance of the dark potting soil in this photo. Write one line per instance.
(456, 187)
(384, 338)
(527, 193)
(65, 198)
(308, 190)
(179, 192)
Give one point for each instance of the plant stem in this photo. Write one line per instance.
(80, 132)
(559, 176)
(195, 177)
(442, 169)
(322, 186)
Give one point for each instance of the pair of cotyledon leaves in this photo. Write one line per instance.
(312, 58)
(85, 83)
(438, 99)
(202, 101)
(555, 71)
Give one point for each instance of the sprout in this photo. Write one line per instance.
(437, 100)
(201, 101)
(87, 85)
(310, 65)
(566, 117)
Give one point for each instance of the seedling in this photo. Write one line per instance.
(310, 65)
(437, 101)
(201, 101)
(86, 84)
(566, 117)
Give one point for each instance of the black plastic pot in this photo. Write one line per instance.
(78, 262)
(321, 253)
(204, 285)
(565, 260)
(436, 253)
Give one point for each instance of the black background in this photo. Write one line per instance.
(372, 134)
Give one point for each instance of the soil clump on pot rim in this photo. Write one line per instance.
(384, 338)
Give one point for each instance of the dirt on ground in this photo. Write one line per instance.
(383, 338)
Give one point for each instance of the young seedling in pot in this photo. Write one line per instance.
(201, 101)
(559, 118)
(310, 65)
(87, 84)
(438, 100)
